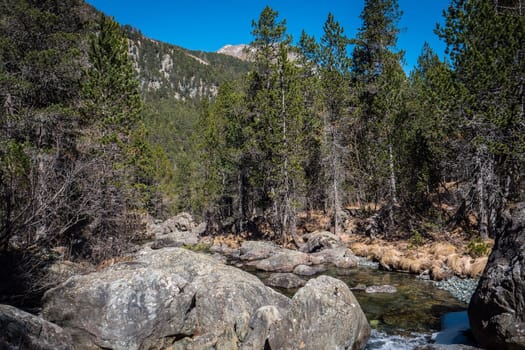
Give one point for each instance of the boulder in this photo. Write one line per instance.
(324, 314)
(284, 280)
(359, 287)
(260, 325)
(497, 308)
(257, 250)
(22, 330)
(305, 270)
(168, 297)
(388, 289)
(226, 251)
(177, 231)
(340, 257)
(284, 260)
(182, 222)
(320, 240)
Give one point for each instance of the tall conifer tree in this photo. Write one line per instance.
(485, 40)
(379, 78)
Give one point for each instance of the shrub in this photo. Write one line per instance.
(477, 248)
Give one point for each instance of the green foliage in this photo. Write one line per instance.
(477, 248)
(110, 88)
(170, 72)
(416, 239)
(199, 247)
(381, 87)
(489, 72)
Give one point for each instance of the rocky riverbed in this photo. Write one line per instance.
(212, 304)
(461, 288)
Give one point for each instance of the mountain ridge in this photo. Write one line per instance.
(171, 71)
(239, 51)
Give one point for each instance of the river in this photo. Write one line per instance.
(401, 320)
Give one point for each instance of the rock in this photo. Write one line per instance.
(346, 262)
(340, 257)
(284, 260)
(497, 308)
(166, 243)
(359, 286)
(256, 250)
(260, 324)
(165, 295)
(284, 280)
(381, 289)
(182, 222)
(200, 229)
(221, 258)
(62, 270)
(177, 231)
(22, 330)
(324, 314)
(224, 250)
(305, 270)
(320, 240)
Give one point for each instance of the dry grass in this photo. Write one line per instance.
(441, 250)
(436, 271)
(232, 241)
(376, 251)
(359, 249)
(390, 259)
(478, 266)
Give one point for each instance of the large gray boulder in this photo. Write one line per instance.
(324, 314)
(284, 260)
(341, 257)
(167, 297)
(22, 330)
(257, 250)
(284, 280)
(497, 308)
(176, 231)
(260, 325)
(319, 240)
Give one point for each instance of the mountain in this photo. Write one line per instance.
(170, 71)
(237, 51)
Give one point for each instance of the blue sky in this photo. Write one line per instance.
(208, 25)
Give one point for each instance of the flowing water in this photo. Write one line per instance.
(401, 320)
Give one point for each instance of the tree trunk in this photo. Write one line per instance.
(480, 188)
(393, 187)
(335, 180)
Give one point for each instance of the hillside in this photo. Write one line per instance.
(169, 71)
(86, 149)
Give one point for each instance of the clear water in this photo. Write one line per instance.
(402, 320)
(384, 341)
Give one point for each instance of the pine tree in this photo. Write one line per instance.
(429, 132)
(114, 138)
(380, 80)
(274, 130)
(489, 68)
(111, 88)
(334, 67)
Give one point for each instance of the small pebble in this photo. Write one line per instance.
(460, 288)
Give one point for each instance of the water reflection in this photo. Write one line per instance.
(417, 306)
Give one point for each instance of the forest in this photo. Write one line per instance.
(331, 125)
(334, 124)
